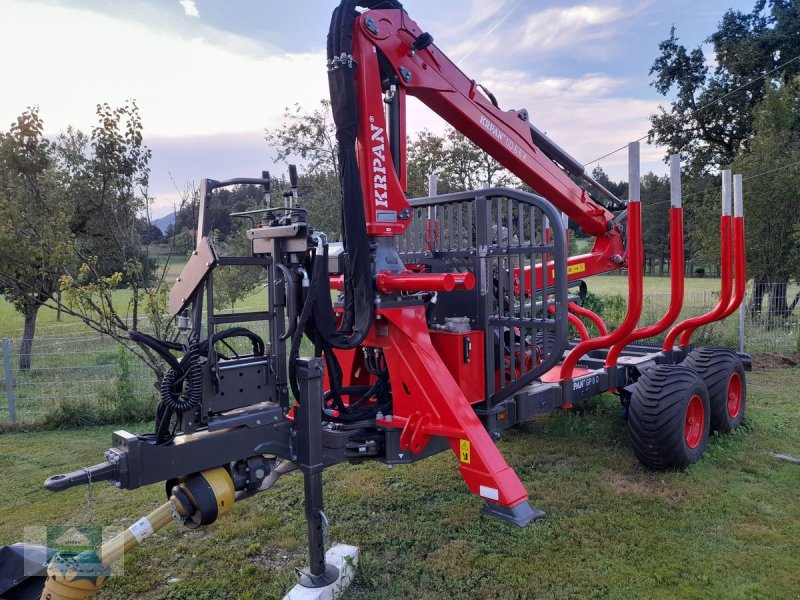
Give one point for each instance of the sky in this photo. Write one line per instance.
(210, 75)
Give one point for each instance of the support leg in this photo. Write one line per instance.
(309, 424)
(428, 400)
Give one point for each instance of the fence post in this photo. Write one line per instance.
(742, 310)
(9, 378)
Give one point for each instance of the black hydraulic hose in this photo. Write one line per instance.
(177, 401)
(195, 375)
(162, 348)
(255, 340)
(291, 300)
(359, 287)
(319, 273)
(349, 390)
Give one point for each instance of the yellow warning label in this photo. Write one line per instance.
(464, 452)
(571, 270)
(576, 268)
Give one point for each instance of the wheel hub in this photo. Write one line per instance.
(734, 401)
(695, 420)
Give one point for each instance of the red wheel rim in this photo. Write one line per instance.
(734, 395)
(695, 420)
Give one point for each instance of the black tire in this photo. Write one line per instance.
(662, 435)
(723, 373)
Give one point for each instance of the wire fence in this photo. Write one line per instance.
(72, 366)
(69, 369)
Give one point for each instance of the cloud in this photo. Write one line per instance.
(190, 8)
(514, 36)
(183, 85)
(587, 115)
(556, 28)
(205, 99)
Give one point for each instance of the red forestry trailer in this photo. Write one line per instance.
(451, 324)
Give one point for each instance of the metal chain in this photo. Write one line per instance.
(325, 528)
(89, 500)
(90, 508)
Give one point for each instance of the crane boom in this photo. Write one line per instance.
(393, 57)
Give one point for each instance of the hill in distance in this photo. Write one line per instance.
(163, 222)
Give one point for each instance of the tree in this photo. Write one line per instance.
(772, 198)
(310, 137)
(711, 119)
(149, 233)
(35, 239)
(70, 222)
(232, 284)
(655, 193)
(459, 164)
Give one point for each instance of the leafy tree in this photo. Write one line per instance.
(70, 221)
(310, 136)
(655, 193)
(459, 164)
(149, 233)
(232, 284)
(35, 239)
(772, 201)
(711, 119)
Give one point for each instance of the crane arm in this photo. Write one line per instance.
(393, 57)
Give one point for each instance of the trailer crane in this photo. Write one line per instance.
(451, 324)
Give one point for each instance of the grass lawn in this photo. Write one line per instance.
(11, 321)
(728, 527)
(618, 284)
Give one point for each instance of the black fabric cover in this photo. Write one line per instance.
(317, 319)
(358, 302)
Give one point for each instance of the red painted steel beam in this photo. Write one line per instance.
(635, 274)
(583, 332)
(739, 256)
(687, 327)
(676, 265)
(424, 282)
(591, 315)
(430, 76)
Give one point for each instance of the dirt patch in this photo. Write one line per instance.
(272, 558)
(775, 360)
(634, 484)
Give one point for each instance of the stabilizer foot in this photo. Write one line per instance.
(307, 579)
(520, 515)
(341, 558)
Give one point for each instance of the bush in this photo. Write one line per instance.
(118, 403)
(612, 310)
(71, 413)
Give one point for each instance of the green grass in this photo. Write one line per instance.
(618, 284)
(728, 527)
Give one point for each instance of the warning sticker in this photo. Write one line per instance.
(571, 269)
(141, 529)
(576, 268)
(464, 452)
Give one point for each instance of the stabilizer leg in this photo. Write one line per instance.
(309, 427)
(428, 402)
